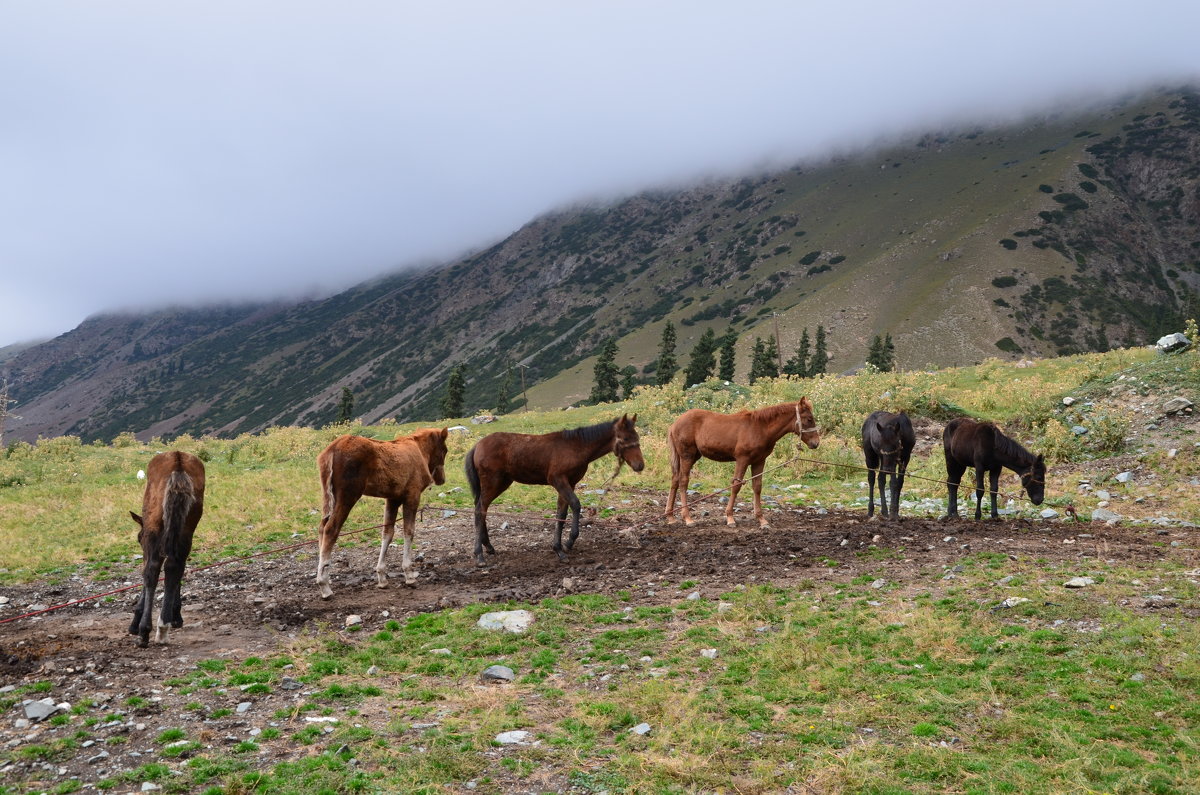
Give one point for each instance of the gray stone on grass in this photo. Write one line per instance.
(40, 710)
(1176, 405)
(514, 621)
(498, 673)
(1079, 582)
(1105, 515)
(642, 729)
(518, 737)
(1172, 343)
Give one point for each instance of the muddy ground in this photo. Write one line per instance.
(255, 607)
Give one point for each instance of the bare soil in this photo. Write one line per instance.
(257, 606)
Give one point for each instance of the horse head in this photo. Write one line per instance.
(432, 442)
(627, 446)
(1034, 480)
(806, 425)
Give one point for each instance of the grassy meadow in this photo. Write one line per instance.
(865, 685)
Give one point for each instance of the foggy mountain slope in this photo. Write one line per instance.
(962, 245)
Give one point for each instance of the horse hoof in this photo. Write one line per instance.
(326, 595)
(690, 523)
(730, 523)
(670, 520)
(764, 525)
(143, 641)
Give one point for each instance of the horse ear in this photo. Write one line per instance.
(1040, 459)
(444, 433)
(634, 420)
(136, 518)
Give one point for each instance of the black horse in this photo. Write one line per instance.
(981, 445)
(887, 444)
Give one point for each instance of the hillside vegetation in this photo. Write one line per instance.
(1057, 236)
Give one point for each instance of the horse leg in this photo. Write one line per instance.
(685, 475)
(670, 512)
(566, 493)
(410, 529)
(739, 470)
(331, 527)
(177, 605)
(954, 474)
(979, 472)
(385, 541)
(871, 491)
(994, 481)
(560, 521)
(897, 485)
(756, 484)
(170, 596)
(145, 612)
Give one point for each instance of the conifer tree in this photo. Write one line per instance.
(666, 356)
(820, 357)
(346, 405)
(798, 364)
(456, 385)
(628, 381)
(756, 360)
(606, 374)
(726, 367)
(504, 393)
(875, 353)
(770, 362)
(702, 361)
(889, 354)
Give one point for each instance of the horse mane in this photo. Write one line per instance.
(1009, 447)
(590, 433)
(769, 413)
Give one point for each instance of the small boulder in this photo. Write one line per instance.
(1176, 405)
(518, 737)
(1105, 515)
(498, 673)
(1172, 343)
(40, 710)
(1079, 582)
(642, 729)
(514, 621)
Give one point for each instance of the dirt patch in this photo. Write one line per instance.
(254, 607)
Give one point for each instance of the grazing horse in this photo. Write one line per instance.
(981, 445)
(171, 508)
(747, 437)
(398, 471)
(887, 445)
(559, 459)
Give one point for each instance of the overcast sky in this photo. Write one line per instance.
(157, 152)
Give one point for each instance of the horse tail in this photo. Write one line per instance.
(177, 504)
(672, 453)
(473, 476)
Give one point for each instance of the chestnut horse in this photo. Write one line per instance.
(399, 470)
(171, 508)
(747, 437)
(968, 443)
(559, 459)
(887, 444)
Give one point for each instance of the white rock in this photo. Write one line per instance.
(1068, 401)
(1013, 601)
(498, 673)
(878, 584)
(441, 652)
(1048, 513)
(518, 737)
(1124, 477)
(1105, 515)
(514, 621)
(709, 653)
(641, 729)
(353, 620)
(1079, 582)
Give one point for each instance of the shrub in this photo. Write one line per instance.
(1004, 281)
(1008, 345)
(1008, 243)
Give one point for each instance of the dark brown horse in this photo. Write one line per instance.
(887, 443)
(399, 470)
(968, 443)
(171, 508)
(558, 459)
(747, 437)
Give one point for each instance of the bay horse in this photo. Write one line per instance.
(399, 470)
(559, 459)
(887, 444)
(172, 505)
(969, 443)
(747, 437)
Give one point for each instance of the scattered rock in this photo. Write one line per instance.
(1068, 401)
(642, 729)
(709, 653)
(1105, 515)
(514, 621)
(1048, 513)
(441, 652)
(498, 673)
(1176, 405)
(1124, 477)
(353, 620)
(1172, 343)
(1079, 582)
(40, 710)
(518, 737)
(1013, 601)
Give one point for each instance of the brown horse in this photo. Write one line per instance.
(747, 437)
(398, 471)
(968, 443)
(558, 459)
(171, 508)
